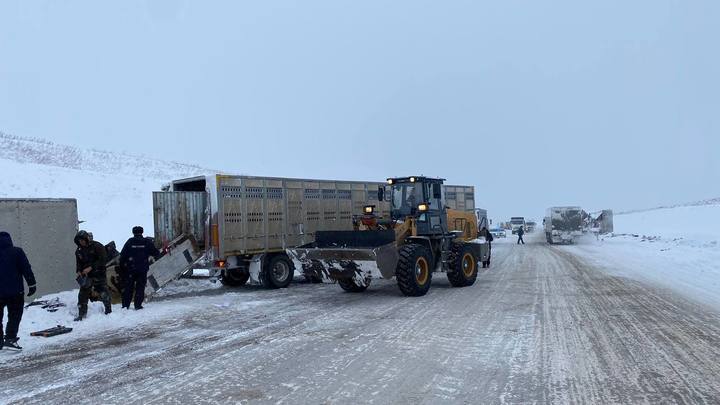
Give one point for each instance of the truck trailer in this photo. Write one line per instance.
(44, 228)
(244, 224)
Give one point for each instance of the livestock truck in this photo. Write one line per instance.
(244, 224)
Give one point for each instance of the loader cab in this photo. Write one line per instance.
(419, 198)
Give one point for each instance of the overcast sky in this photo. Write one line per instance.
(536, 103)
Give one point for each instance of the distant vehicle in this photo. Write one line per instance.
(530, 226)
(563, 224)
(566, 224)
(516, 223)
(498, 233)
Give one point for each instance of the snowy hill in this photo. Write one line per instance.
(696, 224)
(38, 151)
(112, 193)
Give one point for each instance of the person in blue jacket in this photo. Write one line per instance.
(14, 266)
(134, 266)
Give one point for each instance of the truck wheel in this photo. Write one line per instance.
(413, 272)
(234, 277)
(349, 285)
(463, 265)
(278, 273)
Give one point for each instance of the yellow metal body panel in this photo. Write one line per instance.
(464, 221)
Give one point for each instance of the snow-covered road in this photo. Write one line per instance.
(542, 326)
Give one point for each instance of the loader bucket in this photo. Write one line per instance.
(348, 254)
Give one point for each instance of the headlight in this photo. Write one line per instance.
(423, 207)
(390, 181)
(412, 179)
(368, 209)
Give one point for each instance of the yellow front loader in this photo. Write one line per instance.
(421, 237)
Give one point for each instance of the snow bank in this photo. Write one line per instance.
(677, 248)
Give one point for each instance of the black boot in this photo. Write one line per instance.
(11, 343)
(82, 313)
(108, 309)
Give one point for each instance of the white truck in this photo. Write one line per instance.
(516, 223)
(567, 224)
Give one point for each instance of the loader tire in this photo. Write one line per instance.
(349, 285)
(278, 273)
(463, 265)
(234, 277)
(414, 272)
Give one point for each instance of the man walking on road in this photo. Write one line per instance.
(91, 260)
(14, 266)
(134, 265)
(520, 233)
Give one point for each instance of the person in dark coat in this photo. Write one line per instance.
(134, 266)
(484, 232)
(90, 258)
(14, 266)
(520, 233)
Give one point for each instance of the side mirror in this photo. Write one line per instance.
(437, 191)
(381, 193)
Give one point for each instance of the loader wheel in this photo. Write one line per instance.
(234, 277)
(349, 285)
(278, 273)
(413, 271)
(464, 266)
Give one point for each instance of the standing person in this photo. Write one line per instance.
(489, 238)
(91, 260)
(135, 263)
(14, 266)
(520, 232)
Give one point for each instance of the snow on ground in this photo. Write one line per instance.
(677, 247)
(177, 300)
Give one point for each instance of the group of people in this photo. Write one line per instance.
(91, 260)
